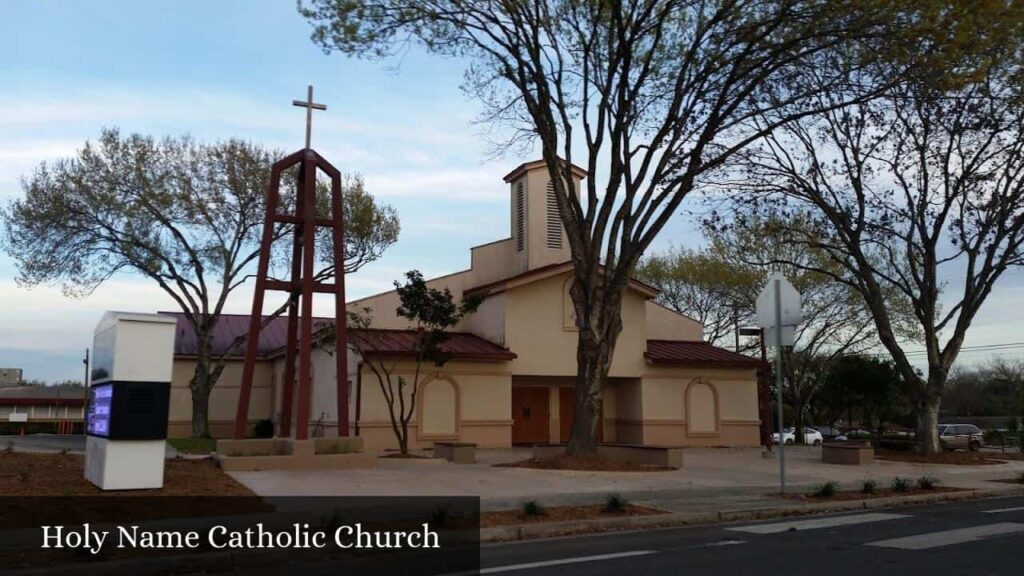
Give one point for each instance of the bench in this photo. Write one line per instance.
(853, 453)
(457, 452)
(660, 456)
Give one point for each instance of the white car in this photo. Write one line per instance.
(811, 436)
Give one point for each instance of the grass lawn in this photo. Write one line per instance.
(193, 445)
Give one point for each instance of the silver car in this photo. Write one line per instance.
(961, 437)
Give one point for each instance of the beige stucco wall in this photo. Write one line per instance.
(482, 412)
(223, 398)
(722, 411)
(665, 324)
(535, 330)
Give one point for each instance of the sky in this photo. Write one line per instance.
(217, 70)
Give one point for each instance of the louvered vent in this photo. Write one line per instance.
(520, 218)
(554, 219)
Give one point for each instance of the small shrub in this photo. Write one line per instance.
(900, 485)
(826, 490)
(532, 508)
(264, 429)
(23, 476)
(615, 504)
(927, 482)
(868, 486)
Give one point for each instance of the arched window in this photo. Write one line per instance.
(701, 408)
(439, 409)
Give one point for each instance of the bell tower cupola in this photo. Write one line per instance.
(538, 237)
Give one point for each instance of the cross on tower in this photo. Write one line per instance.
(309, 105)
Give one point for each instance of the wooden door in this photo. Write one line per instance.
(567, 413)
(530, 415)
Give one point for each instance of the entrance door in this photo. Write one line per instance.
(567, 413)
(530, 415)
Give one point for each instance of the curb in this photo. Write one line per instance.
(552, 529)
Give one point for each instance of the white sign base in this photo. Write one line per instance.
(124, 464)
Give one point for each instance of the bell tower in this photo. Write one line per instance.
(538, 237)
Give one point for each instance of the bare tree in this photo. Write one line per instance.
(730, 273)
(647, 95)
(187, 216)
(431, 313)
(919, 194)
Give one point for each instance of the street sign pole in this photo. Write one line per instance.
(778, 383)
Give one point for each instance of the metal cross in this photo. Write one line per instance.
(309, 105)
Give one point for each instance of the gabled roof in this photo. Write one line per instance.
(397, 343)
(695, 353)
(540, 274)
(526, 166)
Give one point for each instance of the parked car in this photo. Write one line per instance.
(811, 436)
(961, 437)
(829, 432)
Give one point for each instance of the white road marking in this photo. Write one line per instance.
(816, 523)
(721, 543)
(563, 561)
(949, 537)
(998, 510)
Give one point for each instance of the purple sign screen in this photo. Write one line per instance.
(98, 418)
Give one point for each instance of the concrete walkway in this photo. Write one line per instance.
(713, 479)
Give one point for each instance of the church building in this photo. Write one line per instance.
(513, 362)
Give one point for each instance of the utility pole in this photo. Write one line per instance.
(778, 382)
(85, 390)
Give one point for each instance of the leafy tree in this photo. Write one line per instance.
(903, 192)
(724, 279)
(706, 286)
(868, 385)
(188, 216)
(649, 96)
(431, 313)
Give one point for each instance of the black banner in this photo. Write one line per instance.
(235, 535)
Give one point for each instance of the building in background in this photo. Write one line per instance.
(10, 376)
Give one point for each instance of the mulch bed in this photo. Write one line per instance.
(585, 463)
(38, 489)
(847, 495)
(949, 458)
(560, 514)
(33, 474)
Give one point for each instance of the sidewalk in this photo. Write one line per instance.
(714, 479)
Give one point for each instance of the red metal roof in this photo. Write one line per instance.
(272, 339)
(462, 345)
(231, 326)
(695, 353)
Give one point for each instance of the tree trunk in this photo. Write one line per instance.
(201, 384)
(798, 423)
(403, 440)
(596, 343)
(927, 413)
(200, 401)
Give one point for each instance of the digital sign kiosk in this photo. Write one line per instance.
(130, 383)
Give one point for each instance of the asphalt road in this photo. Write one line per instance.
(981, 537)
